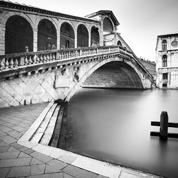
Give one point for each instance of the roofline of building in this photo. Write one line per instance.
(103, 12)
(168, 35)
(17, 6)
(164, 36)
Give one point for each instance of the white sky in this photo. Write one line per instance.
(140, 20)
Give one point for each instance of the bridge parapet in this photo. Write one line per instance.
(18, 61)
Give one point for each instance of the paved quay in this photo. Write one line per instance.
(17, 161)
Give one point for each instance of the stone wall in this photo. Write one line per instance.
(37, 88)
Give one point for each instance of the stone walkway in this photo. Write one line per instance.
(17, 161)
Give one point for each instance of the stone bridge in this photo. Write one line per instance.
(43, 76)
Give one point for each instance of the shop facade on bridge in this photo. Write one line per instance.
(29, 29)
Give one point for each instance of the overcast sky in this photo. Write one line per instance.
(140, 20)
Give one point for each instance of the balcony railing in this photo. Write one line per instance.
(20, 60)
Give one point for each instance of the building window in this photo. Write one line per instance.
(164, 85)
(165, 76)
(164, 61)
(119, 43)
(164, 45)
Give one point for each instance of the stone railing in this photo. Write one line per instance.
(21, 60)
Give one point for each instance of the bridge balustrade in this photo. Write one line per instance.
(19, 60)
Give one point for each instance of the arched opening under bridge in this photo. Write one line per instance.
(114, 75)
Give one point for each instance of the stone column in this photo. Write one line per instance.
(35, 40)
(58, 39)
(89, 37)
(101, 31)
(75, 41)
(2, 38)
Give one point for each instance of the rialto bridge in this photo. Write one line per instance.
(46, 55)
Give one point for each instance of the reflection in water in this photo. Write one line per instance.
(115, 125)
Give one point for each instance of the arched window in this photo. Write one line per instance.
(47, 35)
(18, 35)
(82, 36)
(107, 26)
(164, 45)
(94, 37)
(66, 36)
(164, 61)
(119, 43)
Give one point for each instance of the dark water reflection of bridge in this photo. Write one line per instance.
(114, 125)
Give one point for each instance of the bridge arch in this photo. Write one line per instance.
(88, 70)
(47, 35)
(82, 36)
(18, 35)
(67, 36)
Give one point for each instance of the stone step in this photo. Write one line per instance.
(56, 133)
(50, 128)
(33, 128)
(43, 125)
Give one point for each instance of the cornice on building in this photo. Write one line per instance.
(23, 7)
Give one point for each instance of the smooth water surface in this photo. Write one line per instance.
(115, 125)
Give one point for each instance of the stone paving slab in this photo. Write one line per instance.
(17, 161)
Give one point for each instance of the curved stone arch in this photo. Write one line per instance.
(15, 24)
(43, 43)
(99, 31)
(25, 16)
(87, 27)
(83, 41)
(67, 21)
(67, 43)
(94, 26)
(86, 73)
(39, 19)
(109, 20)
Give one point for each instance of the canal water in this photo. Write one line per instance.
(115, 125)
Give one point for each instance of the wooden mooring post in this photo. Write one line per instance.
(164, 125)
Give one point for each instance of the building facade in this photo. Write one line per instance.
(167, 61)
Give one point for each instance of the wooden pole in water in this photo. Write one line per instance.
(163, 125)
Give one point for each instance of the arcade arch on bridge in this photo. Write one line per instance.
(95, 38)
(47, 35)
(18, 35)
(108, 26)
(82, 36)
(67, 36)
